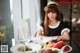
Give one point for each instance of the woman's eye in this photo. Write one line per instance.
(53, 12)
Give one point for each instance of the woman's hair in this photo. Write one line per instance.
(50, 8)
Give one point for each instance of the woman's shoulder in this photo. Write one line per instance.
(65, 24)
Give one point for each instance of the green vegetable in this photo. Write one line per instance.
(56, 51)
(24, 49)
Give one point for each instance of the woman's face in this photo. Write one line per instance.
(52, 15)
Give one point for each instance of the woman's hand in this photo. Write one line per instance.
(54, 37)
(60, 38)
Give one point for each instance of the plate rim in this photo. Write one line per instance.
(52, 49)
(14, 48)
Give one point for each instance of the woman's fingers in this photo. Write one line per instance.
(59, 38)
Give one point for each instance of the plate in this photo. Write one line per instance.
(65, 47)
(33, 46)
(59, 51)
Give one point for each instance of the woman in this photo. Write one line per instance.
(53, 26)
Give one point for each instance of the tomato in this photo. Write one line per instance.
(66, 48)
(58, 45)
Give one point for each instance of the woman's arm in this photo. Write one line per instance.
(40, 32)
(64, 36)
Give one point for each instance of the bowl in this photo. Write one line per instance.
(33, 46)
(63, 48)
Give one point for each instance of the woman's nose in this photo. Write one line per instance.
(50, 13)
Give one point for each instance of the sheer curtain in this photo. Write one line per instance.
(34, 15)
(28, 10)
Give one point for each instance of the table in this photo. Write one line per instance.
(75, 48)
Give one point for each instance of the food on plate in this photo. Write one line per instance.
(24, 48)
(48, 45)
(49, 51)
(58, 45)
(66, 48)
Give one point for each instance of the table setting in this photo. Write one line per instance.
(28, 44)
(41, 45)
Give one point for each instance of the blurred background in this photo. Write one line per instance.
(32, 12)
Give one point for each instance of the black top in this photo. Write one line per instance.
(56, 31)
